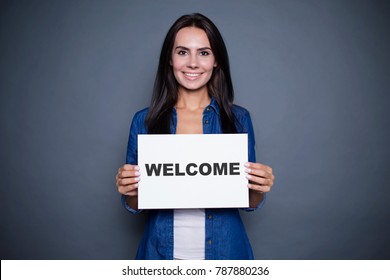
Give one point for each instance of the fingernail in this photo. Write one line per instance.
(137, 173)
(246, 164)
(136, 167)
(248, 170)
(248, 176)
(136, 179)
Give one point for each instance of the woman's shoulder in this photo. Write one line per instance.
(240, 112)
(243, 119)
(138, 122)
(141, 114)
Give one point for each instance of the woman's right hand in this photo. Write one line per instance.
(127, 180)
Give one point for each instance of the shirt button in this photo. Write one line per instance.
(206, 121)
(209, 242)
(208, 109)
(210, 217)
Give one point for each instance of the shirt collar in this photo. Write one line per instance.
(213, 105)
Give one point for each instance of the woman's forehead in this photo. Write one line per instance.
(192, 37)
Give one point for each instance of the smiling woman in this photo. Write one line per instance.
(193, 94)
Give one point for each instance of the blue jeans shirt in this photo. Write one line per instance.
(226, 237)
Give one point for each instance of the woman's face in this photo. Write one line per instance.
(192, 59)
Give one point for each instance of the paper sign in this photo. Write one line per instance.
(192, 171)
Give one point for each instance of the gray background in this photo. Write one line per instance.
(313, 74)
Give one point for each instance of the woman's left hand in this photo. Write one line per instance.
(260, 176)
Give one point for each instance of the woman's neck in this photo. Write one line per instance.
(193, 100)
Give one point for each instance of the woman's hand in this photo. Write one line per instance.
(260, 176)
(261, 180)
(127, 180)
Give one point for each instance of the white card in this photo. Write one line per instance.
(192, 171)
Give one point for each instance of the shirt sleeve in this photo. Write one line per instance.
(132, 151)
(132, 145)
(247, 127)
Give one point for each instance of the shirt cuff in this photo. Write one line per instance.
(258, 206)
(127, 207)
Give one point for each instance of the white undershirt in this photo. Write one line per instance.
(189, 234)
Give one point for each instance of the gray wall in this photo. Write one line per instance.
(313, 74)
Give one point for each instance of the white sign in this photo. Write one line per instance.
(192, 171)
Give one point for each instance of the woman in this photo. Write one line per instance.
(193, 94)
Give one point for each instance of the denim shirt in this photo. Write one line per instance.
(226, 237)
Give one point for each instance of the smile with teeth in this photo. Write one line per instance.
(192, 74)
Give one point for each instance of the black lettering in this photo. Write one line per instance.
(201, 169)
(153, 168)
(189, 171)
(205, 169)
(179, 271)
(177, 170)
(234, 168)
(168, 167)
(220, 169)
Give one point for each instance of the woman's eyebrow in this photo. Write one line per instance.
(187, 49)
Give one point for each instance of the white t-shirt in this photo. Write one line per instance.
(189, 234)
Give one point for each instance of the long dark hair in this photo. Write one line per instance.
(165, 92)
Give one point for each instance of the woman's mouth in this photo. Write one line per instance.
(192, 75)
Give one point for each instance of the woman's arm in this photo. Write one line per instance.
(128, 175)
(260, 176)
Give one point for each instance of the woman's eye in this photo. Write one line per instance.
(182, 52)
(204, 53)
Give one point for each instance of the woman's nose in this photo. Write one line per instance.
(193, 61)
